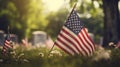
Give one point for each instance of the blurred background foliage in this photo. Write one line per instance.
(22, 16)
(26, 16)
(55, 22)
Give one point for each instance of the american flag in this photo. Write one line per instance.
(25, 42)
(7, 45)
(73, 37)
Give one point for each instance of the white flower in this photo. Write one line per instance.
(56, 52)
(102, 54)
(41, 54)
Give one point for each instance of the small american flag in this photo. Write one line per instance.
(7, 45)
(73, 38)
(25, 42)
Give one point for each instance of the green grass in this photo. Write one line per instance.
(38, 57)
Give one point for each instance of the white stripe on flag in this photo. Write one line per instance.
(74, 37)
(85, 43)
(59, 44)
(88, 40)
(67, 42)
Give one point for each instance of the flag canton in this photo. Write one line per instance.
(73, 23)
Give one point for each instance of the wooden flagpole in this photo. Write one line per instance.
(68, 16)
(8, 30)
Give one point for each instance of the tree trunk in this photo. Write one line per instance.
(111, 21)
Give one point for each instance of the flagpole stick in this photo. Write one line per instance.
(50, 50)
(8, 29)
(68, 16)
(73, 8)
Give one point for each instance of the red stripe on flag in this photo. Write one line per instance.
(63, 48)
(6, 41)
(84, 47)
(5, 47)
(93, 45)
(67, 32)
(8, 45)
(66, 45)
(85, 42)
(71, 43)
(84, 34)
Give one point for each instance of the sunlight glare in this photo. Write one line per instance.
(53, 5)
(96, 4)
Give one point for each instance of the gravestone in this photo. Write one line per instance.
(1, 37)
(91, 36)
(39, 38)
(101, 41)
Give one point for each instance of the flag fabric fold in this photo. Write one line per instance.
(73, 37)
(7, 45)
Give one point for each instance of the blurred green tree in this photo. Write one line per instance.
(56, 21)
(31, 16)
(23, 16)
(7, 13)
